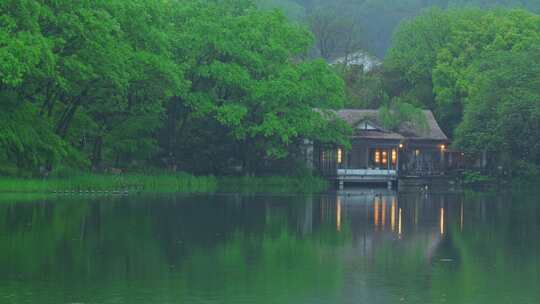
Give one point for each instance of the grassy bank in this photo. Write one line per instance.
(160, 183)
(111, 183)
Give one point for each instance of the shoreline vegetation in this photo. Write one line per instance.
(218, 88)
(158, 183)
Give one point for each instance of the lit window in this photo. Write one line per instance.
(339, 156)
(377, 156)
(417, 152)
(394, 156)
(384, 157)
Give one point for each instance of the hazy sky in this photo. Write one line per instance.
(379, 18)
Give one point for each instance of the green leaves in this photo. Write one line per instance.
(397, 112)
(502, 114)
(245, 73)
(439, 50)
(152, 81)
(25, 139)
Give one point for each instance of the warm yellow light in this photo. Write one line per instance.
(376, 212)
(393, 214)
(417, 152)
(377, 156)
(394, 156)
(383, 215)
(338, 215)
(339, 156)
(401, 146)
(442, 221)
(443, 147)
(384, 157)
(399, 222)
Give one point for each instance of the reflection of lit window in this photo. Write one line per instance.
(399, 222)
(376, 204)
(339, 156)
(338, 215)
(377, 156)
(442, 221)
(384, 157)
(393, 214)
(383, 215)
(394, 156)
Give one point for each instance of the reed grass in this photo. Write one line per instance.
(93, 183)
(161, 183)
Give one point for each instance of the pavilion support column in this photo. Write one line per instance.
(398, 154)
(484, 159)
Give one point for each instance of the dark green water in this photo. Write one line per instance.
(272, 249)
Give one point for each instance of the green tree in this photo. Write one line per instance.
(438, 50)
(246, 74)
(502, 113)
(155, 82)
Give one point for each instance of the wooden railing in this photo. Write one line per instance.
(366, 172)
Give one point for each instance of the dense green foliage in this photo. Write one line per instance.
(397, 112)
(199, 86)
(478, 71)
(221, 87)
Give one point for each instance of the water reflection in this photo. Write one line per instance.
(385, 212)
(349, 247)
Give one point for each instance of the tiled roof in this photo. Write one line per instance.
(404, 131)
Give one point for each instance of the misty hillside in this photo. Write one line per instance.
(369, 22)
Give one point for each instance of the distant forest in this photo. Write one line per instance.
(371, 22)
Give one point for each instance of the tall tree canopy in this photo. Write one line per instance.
(480, 70)
(193, 85)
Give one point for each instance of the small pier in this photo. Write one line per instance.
(366, 176)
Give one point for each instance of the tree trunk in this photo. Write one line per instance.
(67, 117)
(65, 121)
(97, 165)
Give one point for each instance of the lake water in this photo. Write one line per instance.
(362, 247)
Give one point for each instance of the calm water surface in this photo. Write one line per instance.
(358, 248)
